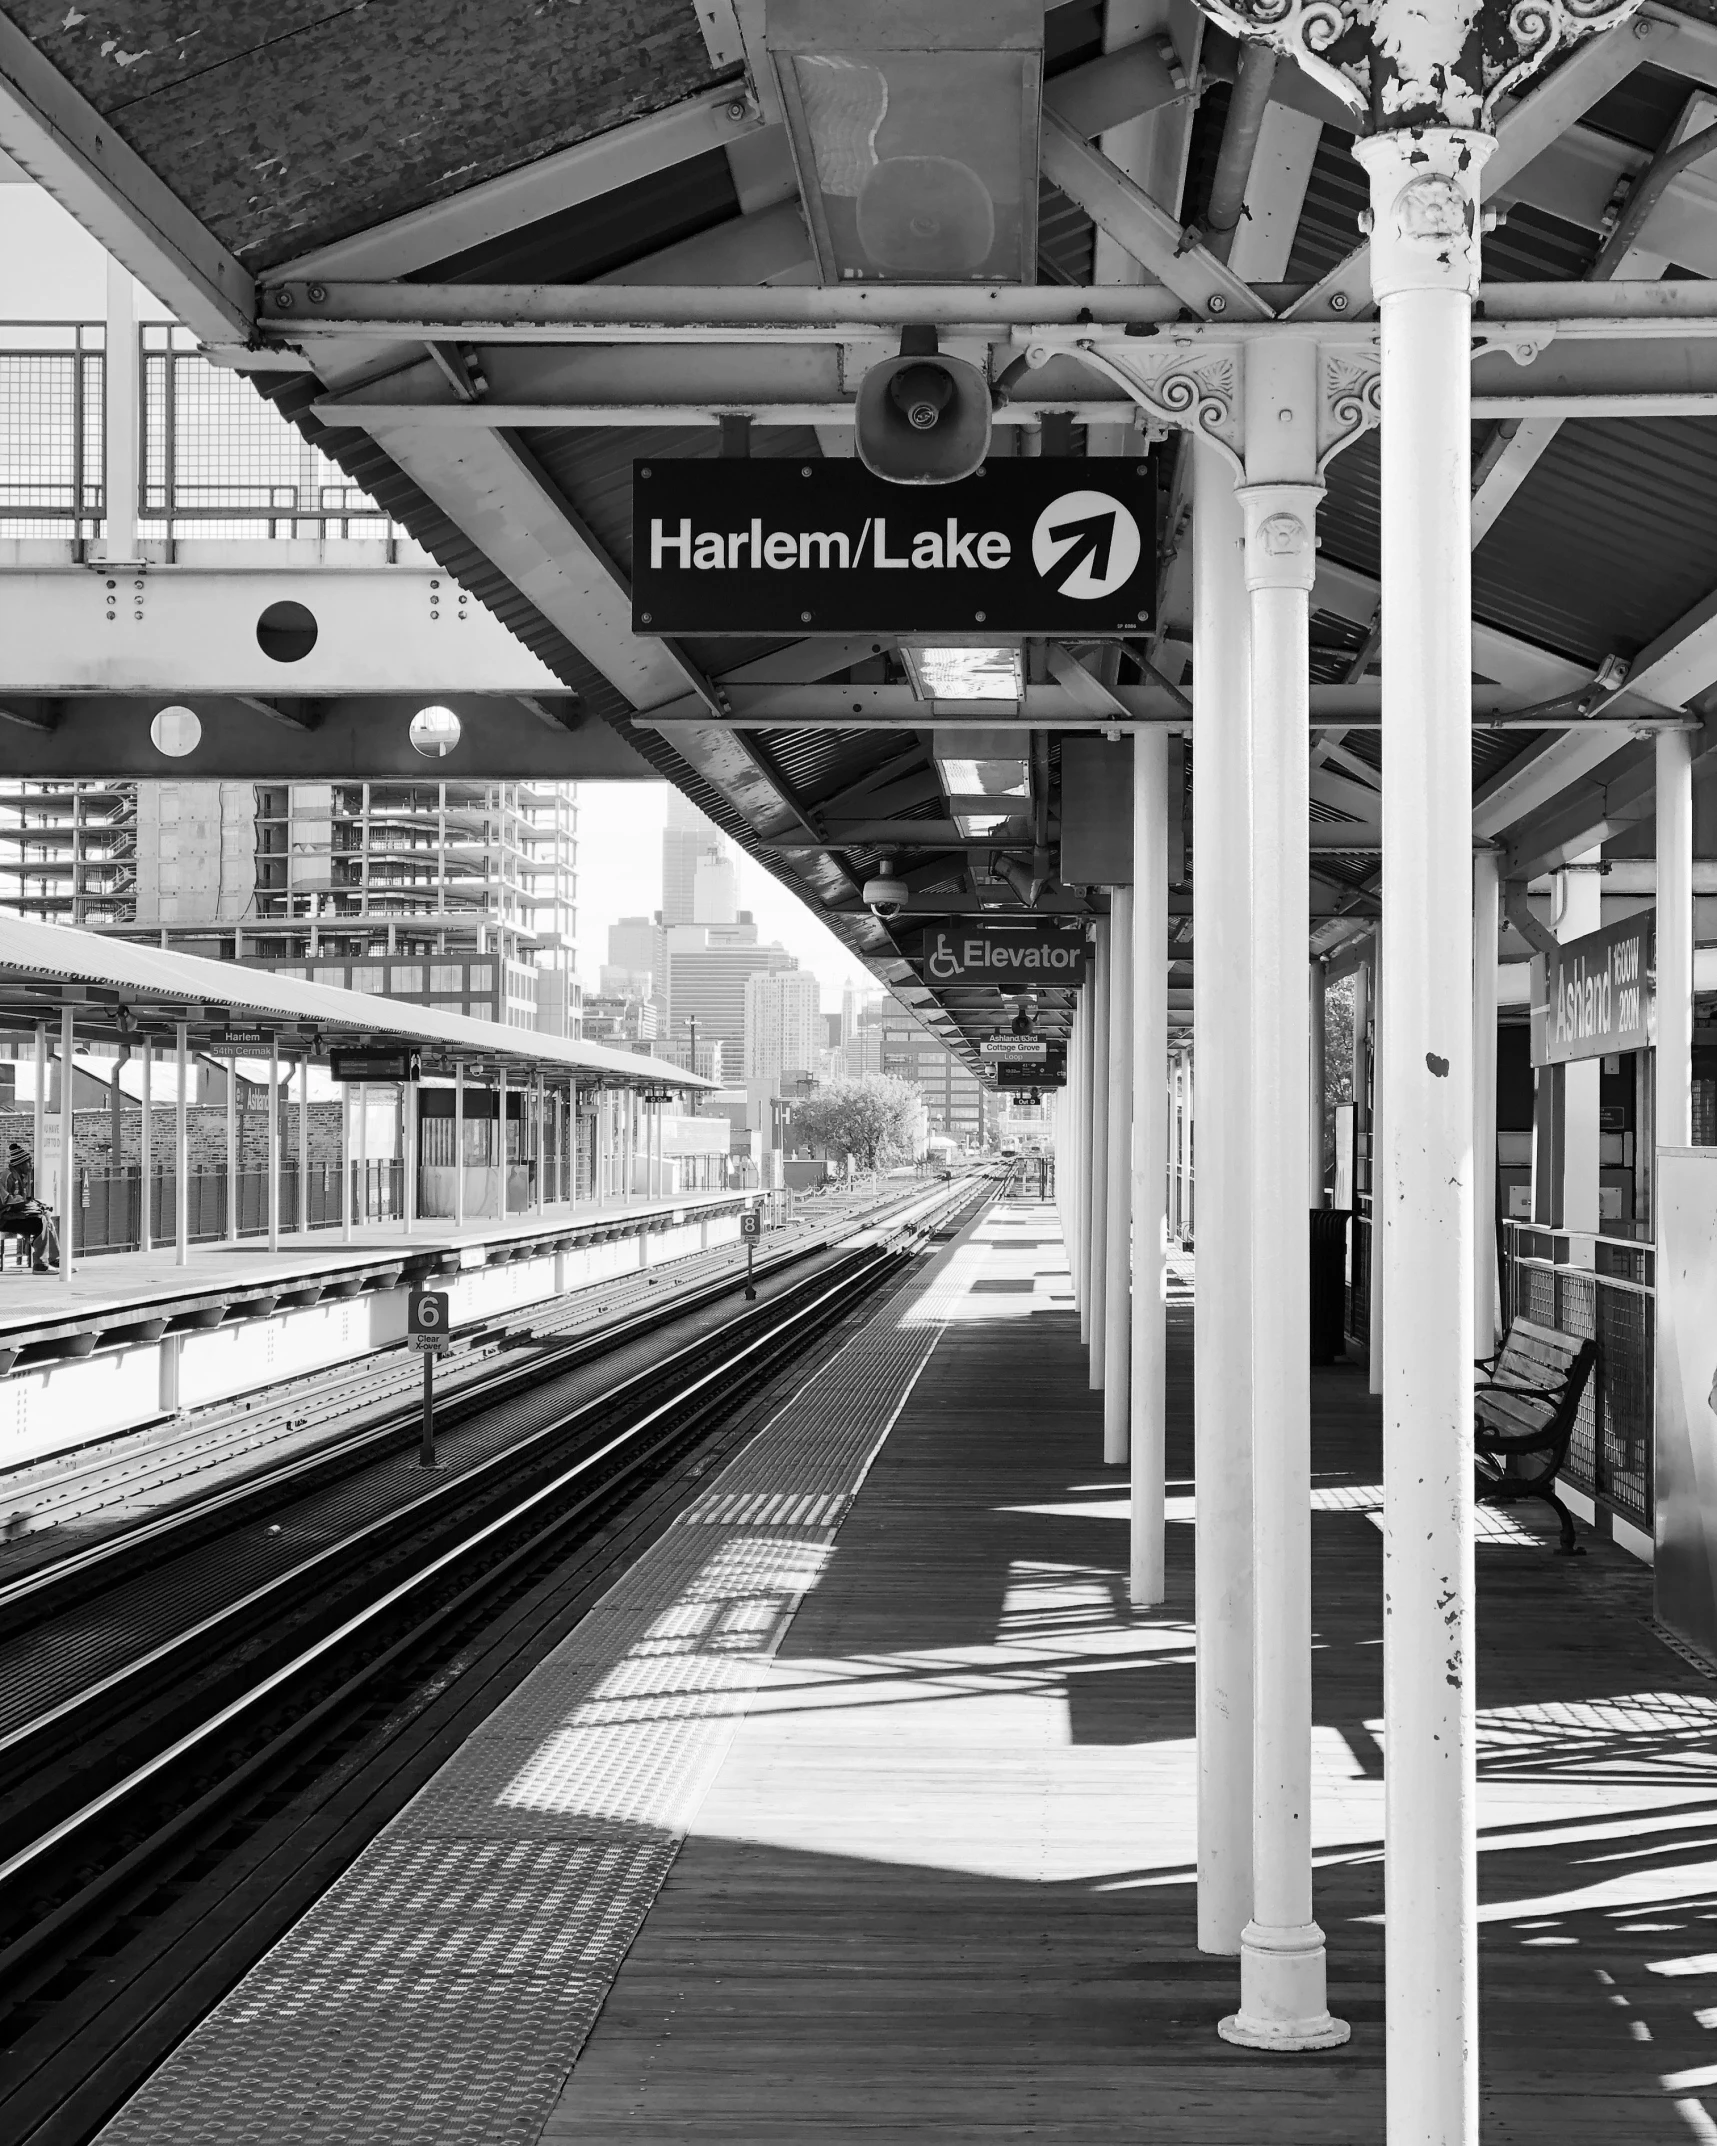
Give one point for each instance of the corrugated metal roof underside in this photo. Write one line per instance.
(286, 126)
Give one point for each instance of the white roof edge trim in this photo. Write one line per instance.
(58, 953)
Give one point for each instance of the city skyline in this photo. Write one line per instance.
(620, 872)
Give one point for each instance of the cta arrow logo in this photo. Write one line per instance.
(1085, 545)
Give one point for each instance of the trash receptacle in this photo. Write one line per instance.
(1329, 1282)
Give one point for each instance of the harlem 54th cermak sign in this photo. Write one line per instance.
(1041, 547)
(1597, 994)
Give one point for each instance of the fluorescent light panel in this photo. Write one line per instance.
(962, 673)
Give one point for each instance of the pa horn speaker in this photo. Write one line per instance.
(922, 418)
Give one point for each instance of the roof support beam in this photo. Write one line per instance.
(1681, 663)
(64, 143)
(495, 207)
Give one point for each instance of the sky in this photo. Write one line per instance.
(620, 875)
(53, 270)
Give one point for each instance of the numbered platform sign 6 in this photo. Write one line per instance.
(428, 1315)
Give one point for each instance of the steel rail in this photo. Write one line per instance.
(350, 1449)
(87, 2063)
(445, 1493)
(125, 1788)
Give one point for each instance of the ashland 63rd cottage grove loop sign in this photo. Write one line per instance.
(744, 547)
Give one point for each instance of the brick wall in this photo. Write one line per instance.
(207, 1128)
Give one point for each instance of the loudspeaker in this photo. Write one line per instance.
(922, 418)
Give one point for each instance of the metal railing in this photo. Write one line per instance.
(108, 1212)
(215, 459)
(1603, 1287)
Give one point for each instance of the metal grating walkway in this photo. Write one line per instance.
(441, 1990)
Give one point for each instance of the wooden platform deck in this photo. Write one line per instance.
(940, 1886)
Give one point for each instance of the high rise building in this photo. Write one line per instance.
(639, 946)
(783, 1018)
(459, 894)
(688, 839)
(708, 969)
(952, 1095)
(715, 889)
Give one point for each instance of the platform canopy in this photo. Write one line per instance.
(119, 993)
(491, 258)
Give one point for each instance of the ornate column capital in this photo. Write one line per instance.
(1424, 208)
(1419, 63)
(1281, 544)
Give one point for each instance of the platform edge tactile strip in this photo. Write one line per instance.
(441, 1990)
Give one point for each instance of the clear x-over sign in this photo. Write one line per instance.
(790, 546)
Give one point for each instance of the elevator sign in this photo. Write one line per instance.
(1597, 995)
(991, 954)
(790, 546)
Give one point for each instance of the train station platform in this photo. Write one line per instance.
(134, 1339)
(862, 1809)
(120, 1286)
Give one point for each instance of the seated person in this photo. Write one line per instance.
(22, 1215)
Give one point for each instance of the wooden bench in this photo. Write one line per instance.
(1523, 1417)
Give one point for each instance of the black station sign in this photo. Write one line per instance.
(992, 954)
(1015, 1080)
(378, 1065)
(1597, 994)
(743, 547)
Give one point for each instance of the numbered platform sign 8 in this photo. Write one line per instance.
(751, 1225)
(428, 1316)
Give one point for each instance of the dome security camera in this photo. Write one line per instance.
(884, 896)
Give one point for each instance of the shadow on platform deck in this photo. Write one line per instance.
(941, 1887)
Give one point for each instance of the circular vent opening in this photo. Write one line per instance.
(286, 632)
(176, 731)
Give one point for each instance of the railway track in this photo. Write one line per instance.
(157, 1462)
(194, 1743)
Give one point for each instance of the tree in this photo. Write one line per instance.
(870, 1119)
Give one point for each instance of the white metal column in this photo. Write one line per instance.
(345, 1163)
(304, 1145)
(1282, 1965)
(1117, 1193)
(1376, 1117)
(1580, 909)
(1425, 272)
(1673, 1094)
(501, 1113)
(1149, 1162)
(1315, 1083)
(121, 462)
(182, 1155)
(364, 1151)
(1487, 906)
(273, 1143)
(1097, 1154)
(410, 1129)
(459, 1143)
(145, 1149)
(1222, 1360)
(232, 1147)
(68, 1143)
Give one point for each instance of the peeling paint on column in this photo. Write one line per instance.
(1399, 65)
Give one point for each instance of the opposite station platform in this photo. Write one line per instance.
(863, 1808)
(134, 1339)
